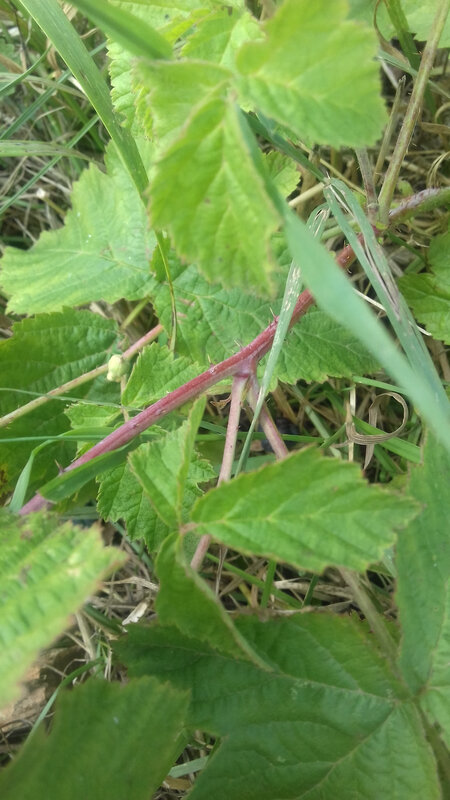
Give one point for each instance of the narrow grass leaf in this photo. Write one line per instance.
(131, 32)
(53, 21)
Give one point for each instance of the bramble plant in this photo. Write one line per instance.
(223, 187)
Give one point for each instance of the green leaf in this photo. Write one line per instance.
(307, 510)
(107, 740)
(86, 415)
(316, 73)
(218, 37)
(283, 171)
(335, 295)
(173, 19)
(170, 470)
(42, 354)
(200, 194)
(156, 373)
(363, 11)
(130, 31)
(72, 481)
(429, 294)
(121, 496)
(318, 347)
(47, 571)
(169, 93)
(319, 722)
(186, 601)
(213, 323)
(420, 18)
(423, 593)
(101, 252)
(430, 302)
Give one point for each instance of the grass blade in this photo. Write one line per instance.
(51, 18)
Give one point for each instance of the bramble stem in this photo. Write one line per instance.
(266, 421)
(87, 376)
(239, 364)
(237, 392)
(412, 112)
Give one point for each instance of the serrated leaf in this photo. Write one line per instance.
(102, 251)
(364, 10)
(186, 601)
(307, 510)
(172, 19)
(155, 374)
(318, 722)
(283, 171)
(420, 18)
(209, 195)
(429, 294)
(87, 415)
(169, 470)
(42, 354)
(219, 36)
(121, 496)
(170, 92)
(316, 74)
(47, 571)
(213, 323)
(423, 593)
(107, 740)
(318, 347)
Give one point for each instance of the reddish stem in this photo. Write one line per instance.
(242, 363)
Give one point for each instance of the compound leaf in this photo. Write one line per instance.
(307, 510)
(316, 73)
(318, 721)
(47, 571)
(107, 740)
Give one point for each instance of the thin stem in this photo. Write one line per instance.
(390, 127)
(412, 112)
(369, 185)
(420, 203)
(267, 423)
(237, 392)
(79, 381)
